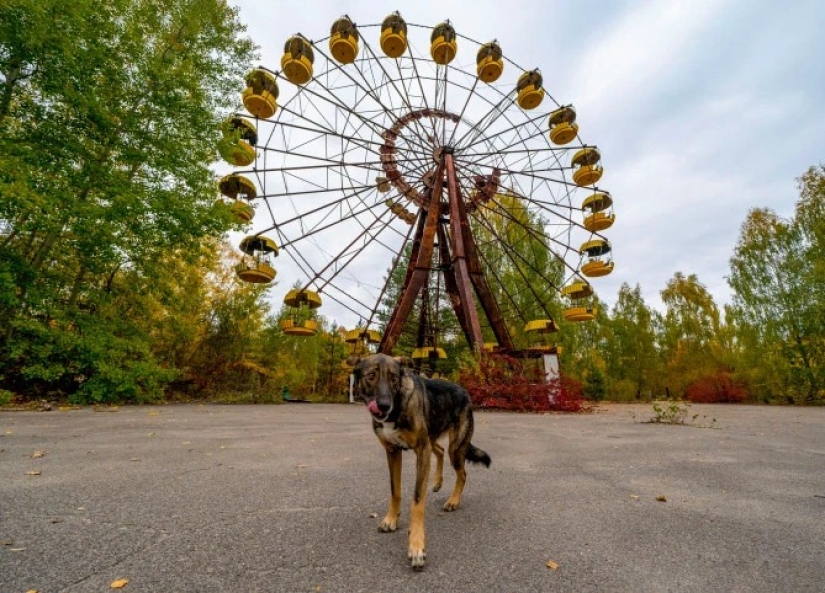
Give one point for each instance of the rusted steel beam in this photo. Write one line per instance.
(459, 227)
(485, 295)
(417, 272)
(450, 284)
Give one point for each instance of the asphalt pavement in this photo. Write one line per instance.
(207, 498)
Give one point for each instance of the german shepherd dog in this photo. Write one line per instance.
(413, 412)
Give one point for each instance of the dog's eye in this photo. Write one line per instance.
(371, 375)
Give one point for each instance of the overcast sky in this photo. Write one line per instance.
(702, 109)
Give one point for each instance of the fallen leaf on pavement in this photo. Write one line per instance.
(661, 498)
(119, 584)
(38, 454)
(552, 565)
(35, 472)
(32, 591)
(373, 515)
(634, 496)
(16, 549)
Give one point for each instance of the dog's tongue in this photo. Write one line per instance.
(373, 407)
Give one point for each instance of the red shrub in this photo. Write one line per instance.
(503, 383)
(717, 388)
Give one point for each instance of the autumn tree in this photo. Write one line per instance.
(778, 278)
(633, 363)
(689, 330)
(108, 125)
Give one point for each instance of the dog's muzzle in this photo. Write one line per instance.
(378, 411)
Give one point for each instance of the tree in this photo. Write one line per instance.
(107, 133)
(689, 330)
(778, 278)
(633, 361)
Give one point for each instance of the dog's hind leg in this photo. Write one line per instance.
(459, 445)
(439, 466)
(416, 552)
(390, 522)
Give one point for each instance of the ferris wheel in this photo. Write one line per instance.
(396, 150)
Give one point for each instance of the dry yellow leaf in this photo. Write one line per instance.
(32, 591)
(38, 454)
(35, 472)
(373, 515)
(119, 584)
(634, 496)
(661, 498)
(552, 565)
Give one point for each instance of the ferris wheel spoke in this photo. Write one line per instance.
(345, 252)
(512, 255)
(362, 142)
(539, 235)
(538, 177)
(493, 271)
(395, 263)
(513, 127)
(485, 122)
(405, 98)
(388, 111)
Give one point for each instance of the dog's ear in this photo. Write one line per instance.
(354, 361)
(404, 361)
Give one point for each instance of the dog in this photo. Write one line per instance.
(413, 412)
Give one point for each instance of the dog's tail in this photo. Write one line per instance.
(476, 455)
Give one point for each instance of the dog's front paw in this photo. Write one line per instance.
(388, 525)
(451, 505)
(417, 559)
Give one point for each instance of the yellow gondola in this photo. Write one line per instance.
(394, 35)
(300, 316)
(601, 216)
(294, 327)
(261, 94)
(343, 40)
(543, 326)
(580, 314)
(302, 298)
(595, 251)
(529, 89)
(297, 60)
(537, 329)
(237, 145)
(563, 126)
(578, 311)
(489, 62)
(242, 211)
(256, 267)
(359, 334)
(587, 170)
(235, 187)
(443, 46)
